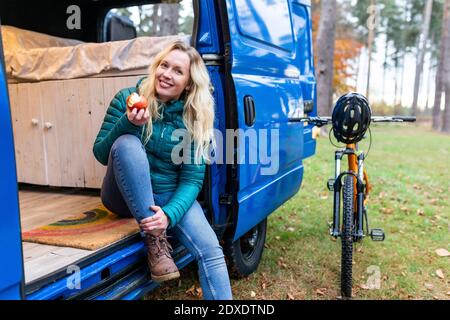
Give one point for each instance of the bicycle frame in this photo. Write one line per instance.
(362, 188)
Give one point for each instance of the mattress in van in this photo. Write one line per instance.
(32, 56)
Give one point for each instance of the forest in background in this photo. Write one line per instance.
(345, 31)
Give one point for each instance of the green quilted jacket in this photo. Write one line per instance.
(185, 179)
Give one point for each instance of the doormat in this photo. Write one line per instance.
(90, 230)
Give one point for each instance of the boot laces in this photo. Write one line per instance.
(161, 244)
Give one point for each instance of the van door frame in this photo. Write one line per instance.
(12, 280)
(231, 120)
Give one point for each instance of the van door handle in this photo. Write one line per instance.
(249, 110)
(309, 106)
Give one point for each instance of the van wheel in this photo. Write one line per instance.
(244, 254)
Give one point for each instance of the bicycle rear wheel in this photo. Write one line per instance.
(347, 237)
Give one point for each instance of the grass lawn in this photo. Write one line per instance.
(408, 166)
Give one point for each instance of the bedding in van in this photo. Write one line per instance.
(32, 56)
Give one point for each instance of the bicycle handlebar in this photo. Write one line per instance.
(322, 121)
(393, 119)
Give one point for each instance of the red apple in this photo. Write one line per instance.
(136, 101)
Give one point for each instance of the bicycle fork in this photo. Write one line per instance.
(336, 185)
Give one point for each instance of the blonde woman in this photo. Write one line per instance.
(143, 180)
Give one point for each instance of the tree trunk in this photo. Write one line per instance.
(155, 19)
(438, 92)
(325, 56)
(430, 69)
(437, 120)
(385, 66)
(370, 39)
(446, 69)
(406, 10)
(396, 79)
(170, 14)
(402, 80)
(421, 52)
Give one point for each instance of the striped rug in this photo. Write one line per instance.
(90, 230)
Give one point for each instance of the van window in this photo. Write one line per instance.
(267, 21)
(153, 20)
(300, 18)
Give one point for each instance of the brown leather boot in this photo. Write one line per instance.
(162, 267)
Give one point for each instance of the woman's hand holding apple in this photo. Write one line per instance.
(137, 111)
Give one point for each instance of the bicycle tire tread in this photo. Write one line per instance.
(347, 238)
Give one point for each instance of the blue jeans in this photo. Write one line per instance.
(127, 191)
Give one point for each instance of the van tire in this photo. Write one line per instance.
(244, 254)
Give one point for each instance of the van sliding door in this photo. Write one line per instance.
(267, 76)
(11, 267)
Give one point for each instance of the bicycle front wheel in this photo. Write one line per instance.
(347, 237)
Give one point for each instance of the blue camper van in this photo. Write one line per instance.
(259, 56)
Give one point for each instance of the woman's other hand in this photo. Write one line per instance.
(156, 223)
(138, 117)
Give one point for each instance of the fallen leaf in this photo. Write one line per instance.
(440, 274)
(448, 293)
(195, 291)
(420, 212)
(321, 291)
(277, 237)
(290, 229)
(442, 252)
(387, 210)
(382, 194)
(191, 290)
(199, 292)
(290, 296)
(281, 263)
(429, 286)
(364, 287)
(405, 210)
(252, 294)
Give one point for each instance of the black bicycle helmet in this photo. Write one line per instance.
(351, 118)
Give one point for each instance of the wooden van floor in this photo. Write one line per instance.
(41, 206)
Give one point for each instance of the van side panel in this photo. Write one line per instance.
(269, 67)
(11, 267)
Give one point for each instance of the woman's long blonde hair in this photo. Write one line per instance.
(198, 111)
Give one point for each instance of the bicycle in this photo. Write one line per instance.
(354, 225)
